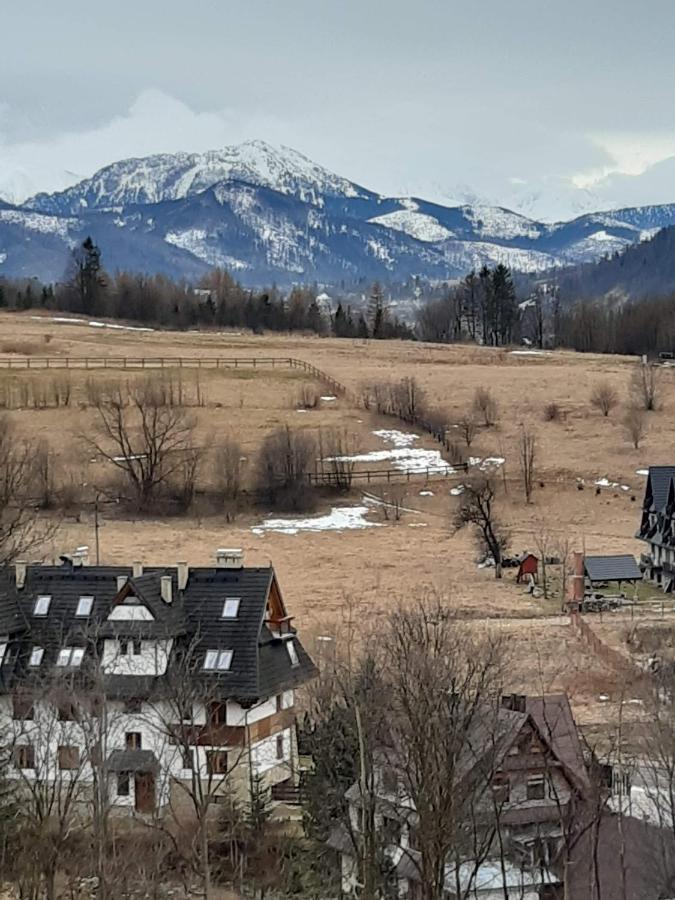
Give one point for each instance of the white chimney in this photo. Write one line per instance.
(137, 569)
(20, 570)
(167, 592)
(82, 554)
(182, 570)
(230, 559)
(121, 581)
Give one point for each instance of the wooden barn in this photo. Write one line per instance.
(528, 564)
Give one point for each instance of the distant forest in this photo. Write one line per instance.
(487, 307)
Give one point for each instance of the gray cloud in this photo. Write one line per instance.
(496, 100)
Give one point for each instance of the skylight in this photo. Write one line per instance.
(36, 655)
(219, 660)
(41, 607)
(84, 605)
(231, 608)
(3, 650)
(70, 656)
(293, 653)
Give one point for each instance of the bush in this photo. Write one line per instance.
(285, 459)
(604, 397)
(552, 412)
(485, 405)
(635, 425)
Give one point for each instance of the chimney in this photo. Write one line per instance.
(183, 571)
(577, 586)
(137, 569)
(514, 702)
(20, 571)
(230, 559)
(121, 581)
(167, 590)
(82, 554)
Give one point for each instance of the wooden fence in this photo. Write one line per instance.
(126, 363)
(326, 478)
(602, 650)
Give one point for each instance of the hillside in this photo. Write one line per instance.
(271, 214)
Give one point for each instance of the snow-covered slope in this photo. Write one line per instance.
(269, 213)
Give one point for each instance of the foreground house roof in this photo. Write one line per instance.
(81, 606)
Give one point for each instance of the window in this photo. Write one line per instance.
(280, 702)
(24, 756)
(84, 605)
(123, 784)
(187, 757)
(293, 653)
(388, 781)
(67, 712)
(41, 607)
(536, 787)
(3, 650)
(69, 757)
(70, 656)
(218, 659)
(137, 647)
(501, 788)
(391, 830)
(218, 713)
(22, 708)
(231, 608)
(133, 706)
(36, 655)
(216, 762)
(280, 746)
(132, 740)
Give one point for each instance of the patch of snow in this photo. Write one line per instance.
(71, 320)
(129, 458)
(426, 493)
(529, 353)
(605, 482)
(37, 222)
(456, 491)
(203, 244)
(3, 258)
(495, 222)
(490, 462)
(328, 398)
(416, 224)
(405, 459)
(642, 471)
(380, 251)
(417, 524)
(397, 438)
(340, 518)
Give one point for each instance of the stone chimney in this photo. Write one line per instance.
(577, 585)
(183, 572)
(167, 588)
(20, 568)
(137, 569)
(230, 559)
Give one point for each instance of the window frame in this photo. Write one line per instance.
(228, 603)
(36, 657)
(40, 601)
(501, 787)
(218, 756)
(218, 660)
(70, 657)
(29, 751)
(130, 742)
(123, 787)
(88, 600)
(292, 654)
(534, 785)
(280, 748)
(68, 753)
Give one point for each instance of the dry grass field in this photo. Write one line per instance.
(327, 574)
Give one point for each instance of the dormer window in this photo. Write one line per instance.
(41, 607)
(70, 656)
(84, 605)
(218, 660)
(231, 608)
(292, 653)
(36, 655)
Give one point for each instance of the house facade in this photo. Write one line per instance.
(657, 527)
(157, 684)
(527, 774)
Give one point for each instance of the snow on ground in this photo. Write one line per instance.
(490, 462)
(397, 438)
(642, 471)
(340, 518)
(70, 320)
(456, 491)
(426, 493)
(529, 353)
(328, 398)
(605, 482)
(418, 225)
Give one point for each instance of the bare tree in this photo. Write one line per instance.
(145, 440)
(604, 397)
(527, 458)
(635, 426)
(336, 449)
(485, 405)
(467, 428)
(285, 461)
(476, 508)
(229, 472)
(645, 385)
(544, 542)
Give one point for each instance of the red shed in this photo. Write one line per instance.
(529, 565)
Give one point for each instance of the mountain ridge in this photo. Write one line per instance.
(271, 214)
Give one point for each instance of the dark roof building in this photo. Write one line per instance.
(657, 526)
(612, 568)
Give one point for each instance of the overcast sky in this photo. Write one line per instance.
(549, 107)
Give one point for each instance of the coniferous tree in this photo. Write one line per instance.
(87, 279)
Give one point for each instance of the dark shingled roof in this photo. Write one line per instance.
(658, 483)
(612, 568)
(261, 665)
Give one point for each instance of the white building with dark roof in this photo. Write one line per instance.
(149, 679)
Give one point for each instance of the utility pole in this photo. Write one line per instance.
(96, 529)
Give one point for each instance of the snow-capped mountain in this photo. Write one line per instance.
(269, 213)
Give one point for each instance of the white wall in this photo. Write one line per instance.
(152, 659)
(264, 753)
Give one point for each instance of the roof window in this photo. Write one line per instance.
(3, 650)
(36, 655)
(41, 607)
(70, 656)
(292, 653)
(84, 605)
(231, 607)
(219, 660)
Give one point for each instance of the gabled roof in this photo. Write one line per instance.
(622, 567)
(658, 484)
(261, 664)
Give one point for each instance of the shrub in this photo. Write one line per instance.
(552, 412)
(604, 397)
(485, 405)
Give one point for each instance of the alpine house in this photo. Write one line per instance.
(150, 680)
